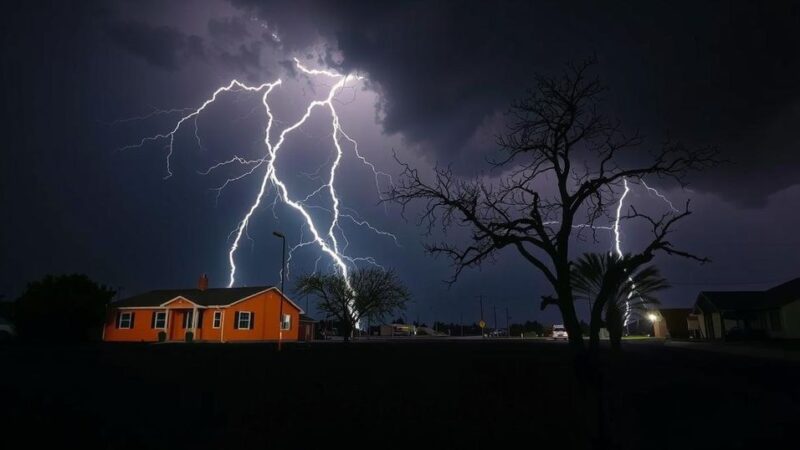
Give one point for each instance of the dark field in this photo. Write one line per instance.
(445, 394)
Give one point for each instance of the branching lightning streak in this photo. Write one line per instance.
(235, 159)
(154, 113)
(171, 135)
(659, 195)
(375, 171)
(617, 234)
(364, 223)
(329, 242)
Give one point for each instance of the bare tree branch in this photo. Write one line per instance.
(560, 159)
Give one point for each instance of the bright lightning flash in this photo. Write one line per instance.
(618, 238)
(327, 240)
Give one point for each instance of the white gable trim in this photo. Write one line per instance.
(180, 297)
(120, 308)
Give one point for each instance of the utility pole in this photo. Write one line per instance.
(283, 277)
(508, 327)
(495, 318)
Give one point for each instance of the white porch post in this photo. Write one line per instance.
(222, 326)
(166, 326)
(194, 323)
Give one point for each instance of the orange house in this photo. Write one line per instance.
(206, 315)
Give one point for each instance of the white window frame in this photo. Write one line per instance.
(217, 322)
(163, 316)
(241, 316)
(122, 317)
(188, 320)
(287, 321)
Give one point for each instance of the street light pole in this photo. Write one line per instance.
(480, 299)
(283, 277)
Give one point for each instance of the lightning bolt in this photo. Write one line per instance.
(156, 112)
(659, 195)
(232, 86)
(618, 238)
(326, 240)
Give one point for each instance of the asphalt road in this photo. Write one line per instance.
(446, 394)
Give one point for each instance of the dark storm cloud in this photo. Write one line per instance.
(232, 28)
(246, 59)
(721, 73)
(715, 72)
(161, 46)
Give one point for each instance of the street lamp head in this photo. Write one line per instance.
(279, 234)
(652, 317)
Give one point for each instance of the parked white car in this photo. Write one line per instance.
(7, 331)
(559, 332)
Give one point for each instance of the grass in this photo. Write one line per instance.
(441, 392)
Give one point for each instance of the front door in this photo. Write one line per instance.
(177, 320)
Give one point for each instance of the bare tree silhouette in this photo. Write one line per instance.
(562, 166)
(373, 294)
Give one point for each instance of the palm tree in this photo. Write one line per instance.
(617, 287)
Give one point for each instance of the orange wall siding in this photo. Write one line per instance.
(141, 331)
(266, 308)
(207, 332)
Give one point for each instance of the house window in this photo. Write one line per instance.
(245, 320)
(126, 320)
(286, 323)
(217, 319)
(775, 320)
(188, 319)
(160, 320)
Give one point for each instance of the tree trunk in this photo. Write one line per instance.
(348, 330)
(614, 322)
(596, 321)
(567, 306)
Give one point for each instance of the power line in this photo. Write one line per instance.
(732, 283)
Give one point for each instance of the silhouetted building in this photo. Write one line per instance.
(307, 330)
(774, 313)
(671, 323)
(398, 329)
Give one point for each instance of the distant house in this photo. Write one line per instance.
(671, 323)
(210, 315)
(308, 328)
(774, 313)
(397, 329)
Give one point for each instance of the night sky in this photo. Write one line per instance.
(438, 77)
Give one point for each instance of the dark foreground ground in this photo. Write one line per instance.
(447, 394)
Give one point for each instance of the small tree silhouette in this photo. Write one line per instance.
(62, 308)
(373, 294)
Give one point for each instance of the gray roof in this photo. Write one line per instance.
(731, 300)
(750, 300)
(208, 297)
(783, 294)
